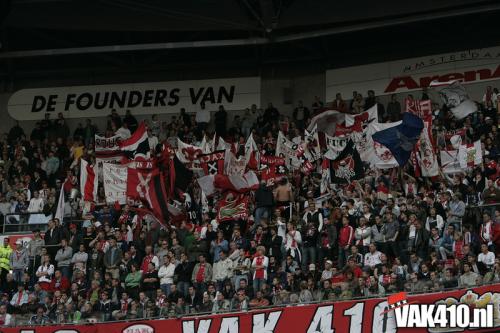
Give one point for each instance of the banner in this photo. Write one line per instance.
(362, 316)
(311, 139)
(139, 98)
(115, 183)
(289, 151)
(88, 181)
(212, 163)
(418, 107)
(233, 165)
(232, 206)
(334, 145)
(470, 155)
(403, 76)
(455, 97)
(347, 166)
(105, 145)
(426, 155)
(450, 163)
(272, 169)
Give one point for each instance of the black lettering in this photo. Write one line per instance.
(195, 97)
(70, 99)
(174, 97)
(209, 96)
(38, 104)
(148, 96)
(160, 96)
(223, 92)
(100, 103)
(51, 104)
(84, 101)
(119, 100)
(134, 99)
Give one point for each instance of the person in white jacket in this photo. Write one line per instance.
(363, 235)
(166, 274)
(434, 220)
(223, 270)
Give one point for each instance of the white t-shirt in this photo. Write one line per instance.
(372, 259)
(488, 259)
(202, 116)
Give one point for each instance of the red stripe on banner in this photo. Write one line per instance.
(89, 184)
(341, 316)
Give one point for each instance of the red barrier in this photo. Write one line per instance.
(363, 316)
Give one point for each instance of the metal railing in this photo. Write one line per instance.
(24, 222)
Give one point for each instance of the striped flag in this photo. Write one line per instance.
(88, 181)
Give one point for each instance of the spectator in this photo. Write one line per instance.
(19, 261)
(166, 274)
(63, 258)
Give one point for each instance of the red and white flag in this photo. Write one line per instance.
(251, 153)
(470, 155)
(88, 181)
(236, 183)
(137, 145)
(233, 165)
(426, 155)
(187, 153)
(232, 206)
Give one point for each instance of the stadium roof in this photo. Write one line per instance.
(251, 32)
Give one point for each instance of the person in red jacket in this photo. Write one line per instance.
(346, 238)
(59, 282)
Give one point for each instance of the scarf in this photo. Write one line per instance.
(200, 276)
(259, 273)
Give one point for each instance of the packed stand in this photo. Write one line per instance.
(370, 238)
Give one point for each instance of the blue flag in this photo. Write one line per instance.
(401, 139)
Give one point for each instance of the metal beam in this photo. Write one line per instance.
(251, 41)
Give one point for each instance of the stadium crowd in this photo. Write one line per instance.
(387, 232)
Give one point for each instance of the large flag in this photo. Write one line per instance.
(312, 148)
(290, 151)
(334, 145)
(426, 155)
(187, 153)
(421, 108)
(455, 97)
(470, 155)
(212, 163)
(272, 169)
(107, 148)
(327, 121)
(180, 175)
(232, 206)
(347, 166)
(401, 139)
(449, 162)
(236, 183)
(370, 151)
(137, 145)
(148, 186)
(88, 181)
(233, 165)
(251, 153)
(115, 183)
(364, 118)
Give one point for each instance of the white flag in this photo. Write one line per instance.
(449, 162)
(312, 148)
(115, 183)
(60, 204)
(455, 97)
(470, 155)
(427, 159)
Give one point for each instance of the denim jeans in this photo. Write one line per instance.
(18, 275)
(165, 288)
(183, 287)
(257, 284)
(261, 212)
(308, 256)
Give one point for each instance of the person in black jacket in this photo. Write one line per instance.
(183, 273)
(52, 239)
(274, 243)
(264, 202)
(193, 299)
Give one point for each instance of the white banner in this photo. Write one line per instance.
(449, 162)
(103, 144)
(140, 98)
(115, 182)
(406, 75)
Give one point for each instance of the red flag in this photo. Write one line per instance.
(419, 107)
(232, 206)
(88, 181)
(149, 187)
